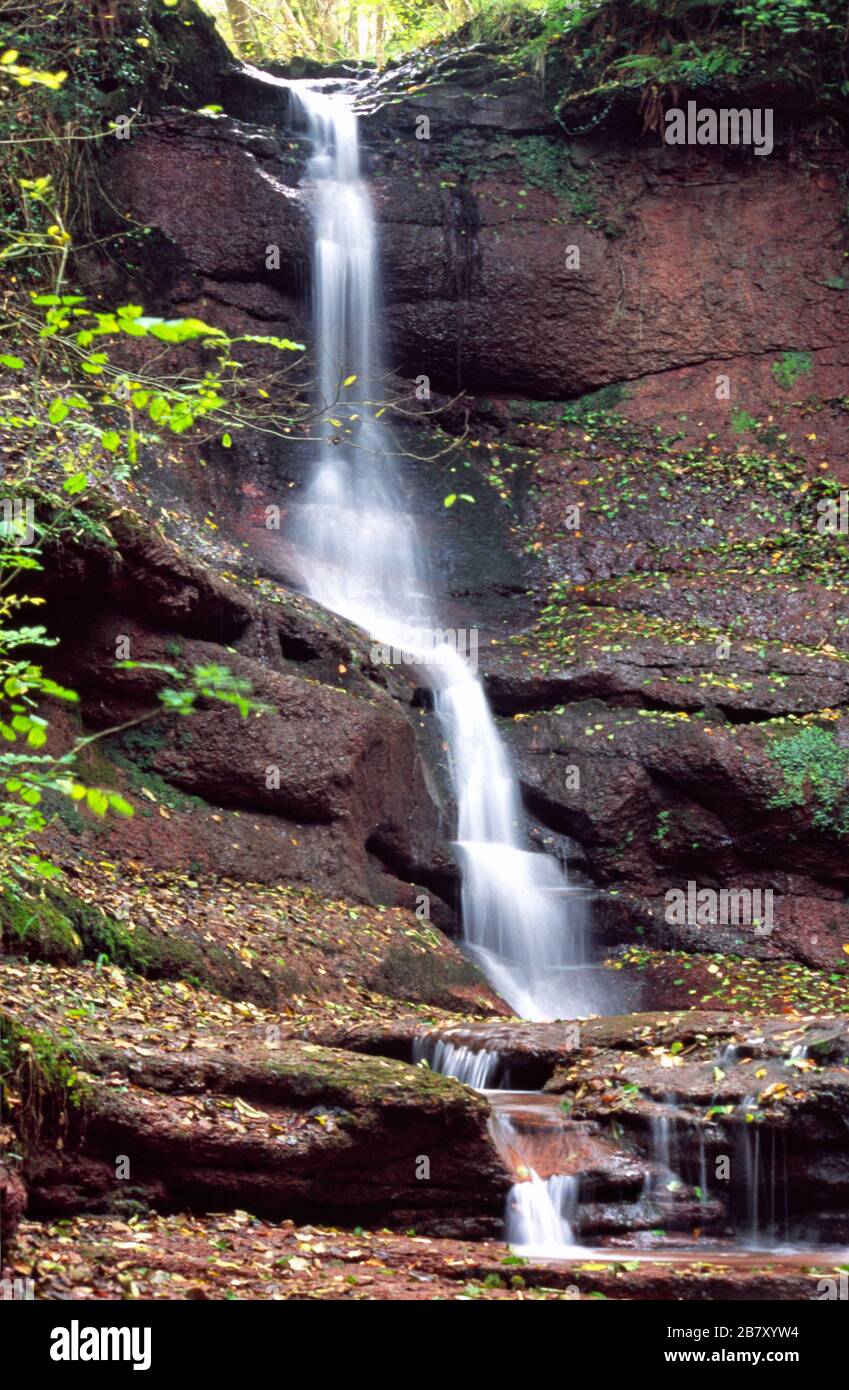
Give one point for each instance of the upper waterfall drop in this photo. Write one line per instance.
(362, 559)
(359, 544)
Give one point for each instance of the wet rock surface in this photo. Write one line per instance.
(469, 223)
(749, 1126)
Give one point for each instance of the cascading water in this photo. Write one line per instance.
(542, 1207)
(362, 560)
(358, 543)
(475, 1068)
(540, 1215)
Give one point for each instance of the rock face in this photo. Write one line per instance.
(635, 306)
(666, 802)
(616, 542)
(333, 774)
(618, 258)
(221, 192)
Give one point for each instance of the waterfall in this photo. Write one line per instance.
(478, 1068)
(541, 1213)
(363, 560)
(540, 1216)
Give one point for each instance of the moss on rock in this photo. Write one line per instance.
(59, 927)
(36, 927)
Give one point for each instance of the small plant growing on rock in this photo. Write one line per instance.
(816, 771)
(790, 366)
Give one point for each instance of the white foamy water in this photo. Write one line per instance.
(539, 1216)
(478, 1068)
(540, 1213)
(361, 558)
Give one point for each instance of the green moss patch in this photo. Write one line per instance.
(815, 769)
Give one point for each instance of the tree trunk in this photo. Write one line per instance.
(378, 38)
(241, 22)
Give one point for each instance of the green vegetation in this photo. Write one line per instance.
(41, 1074)
(664, 829)
(815, 767)
(37, 927)
(595, 405)
(610, 47)
(369, 30)
(790, 366)
(742, 422)
(59, 927)
(590, 55)
(72, 417)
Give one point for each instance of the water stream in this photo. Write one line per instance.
(362, 558)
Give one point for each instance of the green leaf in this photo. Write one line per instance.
(110, 440)
(179, 330)
(97, 801)
(42, 868)
(57, 412)
(7, 361)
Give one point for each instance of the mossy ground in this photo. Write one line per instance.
(276, 945)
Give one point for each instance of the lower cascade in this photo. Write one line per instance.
(362, 558)
(476, 1067)
(538, 1212)
(705, 1176)
(541, 1208)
